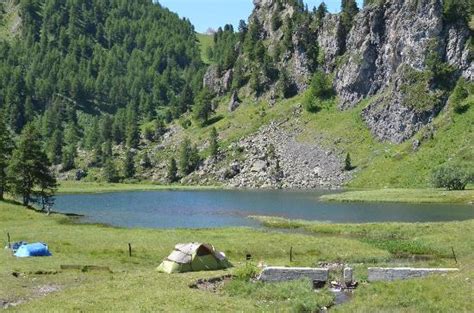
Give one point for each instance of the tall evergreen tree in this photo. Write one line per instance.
(29, 167)
(129, 165)
(203, 106)
(213, 142)
(172, 174)
(6, 149)
(188, 157)
(110, 172)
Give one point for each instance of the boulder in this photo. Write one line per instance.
(234, 102)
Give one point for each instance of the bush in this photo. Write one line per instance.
(246, 272)
(452, 177)
(459, 98)
(320, 89)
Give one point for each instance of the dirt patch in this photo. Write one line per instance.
(44, 290)
(38, 292)
(211, 284)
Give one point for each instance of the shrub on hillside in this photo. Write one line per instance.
(452, 177)
(320, 89)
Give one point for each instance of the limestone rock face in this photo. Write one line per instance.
(330, 40)
(217, 82)
(294, 62)
(234, 102)
(383, 39)
(383, 42)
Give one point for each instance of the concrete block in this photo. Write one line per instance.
(348, 276)
(276, 274)
(398, 273)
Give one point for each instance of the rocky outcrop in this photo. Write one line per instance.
(330, 40)
(384, 40)
(217, 82)
(234, 102)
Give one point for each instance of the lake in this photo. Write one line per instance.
(221, 208)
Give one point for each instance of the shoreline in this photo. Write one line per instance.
(386, 195)
(404, 195)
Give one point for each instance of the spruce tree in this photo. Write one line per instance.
(213, 142)
(203, 106)
(188, 157)
(110, 172)
(29, 168)
(348, 163)
(172, 175)
(6, 149)
(55, 147)
(129, 165)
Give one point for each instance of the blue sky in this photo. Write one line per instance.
(214, 13)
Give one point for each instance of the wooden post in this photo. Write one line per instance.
(9, 241)
(130, 250)
(454, 255)
(291, 254)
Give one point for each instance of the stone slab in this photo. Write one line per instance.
(277, 274)
(398, 273)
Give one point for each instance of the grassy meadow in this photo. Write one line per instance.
(407, 195)
(74, 187)
(134, 285)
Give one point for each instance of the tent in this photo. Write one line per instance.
(191, 257)
(33, 249)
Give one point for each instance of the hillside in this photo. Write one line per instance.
(291, 93)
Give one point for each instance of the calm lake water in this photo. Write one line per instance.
(202, 209)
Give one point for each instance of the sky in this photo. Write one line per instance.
(206, 14)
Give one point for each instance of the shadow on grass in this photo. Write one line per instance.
(213, 120)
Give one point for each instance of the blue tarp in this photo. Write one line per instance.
(33, 249)
(17, 245)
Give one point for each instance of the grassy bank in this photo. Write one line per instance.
(134, 284)
(71, 187)
(404, 195)
(430, 243)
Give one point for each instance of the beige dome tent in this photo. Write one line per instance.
(190, 257)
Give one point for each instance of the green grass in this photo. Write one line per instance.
(431, 241)
(205, 42)
(135, 285)
(72, 187)
(404, 195)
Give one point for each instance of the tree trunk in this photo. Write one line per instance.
(26, 200)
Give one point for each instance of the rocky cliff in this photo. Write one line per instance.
(388, 51)
(387, 56)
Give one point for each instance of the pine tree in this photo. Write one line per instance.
(172, 175)
(133, 136)
(55, 147)
(110, 172)
(321, 12)
(6, 149)
(349, 10)
(129, 165)
(348, 163)
(213, 142)
(29, 168)
(188, 157)
(203, 106)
